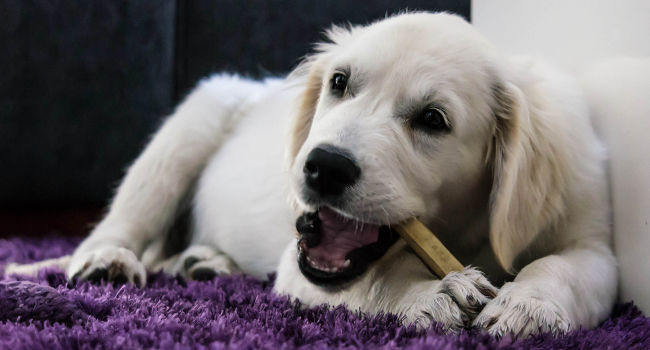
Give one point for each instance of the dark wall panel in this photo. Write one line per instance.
(82, 83)
(269, 37)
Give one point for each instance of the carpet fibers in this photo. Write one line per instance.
(47, 312)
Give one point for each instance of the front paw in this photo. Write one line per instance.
(436, 307)
(115, 264)
(522, 311)
(470, 289)
(203, 263)
(455, 300)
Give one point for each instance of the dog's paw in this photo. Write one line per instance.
(521, 311)
(202, 263)
(114, 264)
(470, 290)
(437, 307)
(453, 301)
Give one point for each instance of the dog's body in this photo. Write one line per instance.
(421, 118)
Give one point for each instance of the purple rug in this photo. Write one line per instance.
(229, 312)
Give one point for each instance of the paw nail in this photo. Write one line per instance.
(203, 274)
(120, 279)
(189, 262)
(98, 275)
(486, 291)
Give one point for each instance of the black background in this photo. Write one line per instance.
(84, 83)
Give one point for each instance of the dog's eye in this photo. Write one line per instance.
(339, 83)
(431, 119)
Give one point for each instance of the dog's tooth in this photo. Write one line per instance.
(323, 267)
(347, 263)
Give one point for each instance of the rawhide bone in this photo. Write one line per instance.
(428, 247)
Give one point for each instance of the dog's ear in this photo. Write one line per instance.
(529, 178)
(307, 107)
(310, 73)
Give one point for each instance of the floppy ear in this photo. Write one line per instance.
(307, 108)
(313, 68)
(530, 172)
(301, 124)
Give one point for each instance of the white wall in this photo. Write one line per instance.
(618, 92)
(582, 36)
(568, 32)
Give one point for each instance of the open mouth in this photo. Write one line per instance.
(333, 249)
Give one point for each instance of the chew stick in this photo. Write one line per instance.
(428, 247)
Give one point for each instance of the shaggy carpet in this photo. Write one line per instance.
(46, 312)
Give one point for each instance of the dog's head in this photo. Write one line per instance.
(405, 117)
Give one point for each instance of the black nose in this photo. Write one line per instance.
(328, 171)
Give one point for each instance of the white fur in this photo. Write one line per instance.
(521, 169)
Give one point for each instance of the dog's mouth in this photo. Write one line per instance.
(333, 249)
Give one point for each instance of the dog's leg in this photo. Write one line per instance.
(149, 195)
(555, 294)
(399, 283)
(33, 268)
(203, 262)
(453, 302)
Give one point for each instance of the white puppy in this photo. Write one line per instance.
(414, 115)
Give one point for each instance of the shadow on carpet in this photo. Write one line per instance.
(47, 312)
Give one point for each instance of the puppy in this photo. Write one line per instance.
(412, 116)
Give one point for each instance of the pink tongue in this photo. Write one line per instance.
(340, 236)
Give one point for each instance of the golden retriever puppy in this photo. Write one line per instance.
(415, 115)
